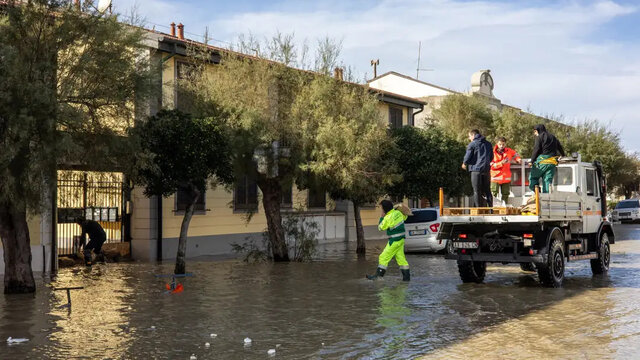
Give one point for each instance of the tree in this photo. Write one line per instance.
(68, 78)
(260, 90)
(596, 142)
(177, 151)
(427, 160)
(460, 113)
(347, 143)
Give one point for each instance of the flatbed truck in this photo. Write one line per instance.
(567, 224)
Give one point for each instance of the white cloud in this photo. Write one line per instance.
(541, 56)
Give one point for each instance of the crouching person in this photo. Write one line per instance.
(97, 237)
(393, 222)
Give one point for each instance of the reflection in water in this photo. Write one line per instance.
(326, 309)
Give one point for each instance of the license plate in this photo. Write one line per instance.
(625, 214)
(465, 245)
(417, 232)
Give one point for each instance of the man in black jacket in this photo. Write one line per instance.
(478, 161)
(97, 237)
(544, 160)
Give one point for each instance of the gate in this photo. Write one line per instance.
(95, 196)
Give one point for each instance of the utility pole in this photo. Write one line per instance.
(375, 64)
(418, 67)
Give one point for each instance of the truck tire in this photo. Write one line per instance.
(551, 273)
(601, 264)
(472, 271)
(531, 267)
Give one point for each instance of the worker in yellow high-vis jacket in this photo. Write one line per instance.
(392, 222)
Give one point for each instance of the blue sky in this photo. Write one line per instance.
(579, 59)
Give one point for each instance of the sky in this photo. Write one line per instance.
(577, 59)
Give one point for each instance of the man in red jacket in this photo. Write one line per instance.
(501, 169)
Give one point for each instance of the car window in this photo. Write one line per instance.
(563, 176)
(591, 183)
(628, 204)
(420, 216)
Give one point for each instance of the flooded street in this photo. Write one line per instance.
(326, 310)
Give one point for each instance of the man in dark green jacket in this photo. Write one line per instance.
(392, 222)
(544, 160)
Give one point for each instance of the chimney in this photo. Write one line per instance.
(338, 73)
(173, 29)
(76, 4)
(180, 31)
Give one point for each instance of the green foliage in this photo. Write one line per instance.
(178, 150)
(301, 233)
(596, 142)
(302, 236)
(347, 143)
(458, 114)
(427, 160)
(68, 82)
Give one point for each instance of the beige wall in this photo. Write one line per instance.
(220, 217)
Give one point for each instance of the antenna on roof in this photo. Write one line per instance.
(418, 67)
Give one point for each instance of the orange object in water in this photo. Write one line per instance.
(179, 288)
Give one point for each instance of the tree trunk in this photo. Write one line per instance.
(184, 229)
(271, 197)
(14, 232)
(361, 249)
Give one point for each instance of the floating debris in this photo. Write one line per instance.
(247, 341)
(11, 340)
(214, 335)
(322, 344)
(193, 357)
(278, 345)
(271, 352)
(152, 327)
(207, 345)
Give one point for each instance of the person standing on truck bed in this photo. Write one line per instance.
(501, 169)
(392, 221)
(478, 161)
(544, 160)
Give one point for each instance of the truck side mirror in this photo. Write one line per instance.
(597, 199)
(578, 191)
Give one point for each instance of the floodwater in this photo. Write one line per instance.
(327, 310)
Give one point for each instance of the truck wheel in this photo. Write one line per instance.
(472, 271)
(531, 267)
(551, 274)
(601, 264)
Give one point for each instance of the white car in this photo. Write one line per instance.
(422, 231)
(626, 210)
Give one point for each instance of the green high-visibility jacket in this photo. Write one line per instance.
(393, 223)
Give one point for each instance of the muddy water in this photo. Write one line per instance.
(326, 310)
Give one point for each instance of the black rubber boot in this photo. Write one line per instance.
(87, 257)
(406, 275)
(379, 273)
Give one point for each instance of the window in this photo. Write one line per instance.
(395, 117)
(563, 176)
(184, 101)
(317, 198)
(183, 198)
(422, 216)
(245, 195)
(591, 183)
(628, 204)
(287, 197)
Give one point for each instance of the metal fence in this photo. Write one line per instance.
(91, 195)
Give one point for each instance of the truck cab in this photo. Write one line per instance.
(540, 231)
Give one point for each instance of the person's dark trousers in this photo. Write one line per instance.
(481, 182)
(96, 246)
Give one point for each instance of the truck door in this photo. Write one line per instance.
(592, 211)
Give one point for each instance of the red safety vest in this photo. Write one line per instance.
(501, 173)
